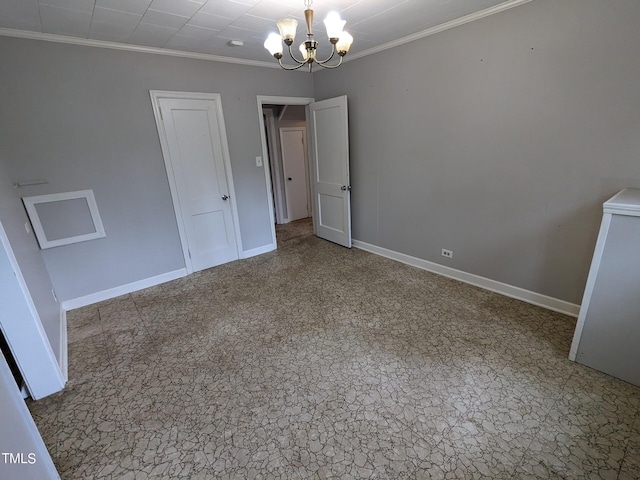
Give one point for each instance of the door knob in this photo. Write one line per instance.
(289, 178)
(343, 188)
(225, 197)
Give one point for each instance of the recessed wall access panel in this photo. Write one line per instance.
(64, 218)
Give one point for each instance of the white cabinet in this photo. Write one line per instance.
(607, 336)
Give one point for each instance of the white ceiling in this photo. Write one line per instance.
(207, 26)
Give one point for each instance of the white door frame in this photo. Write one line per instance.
(156, 95)
(262, 100)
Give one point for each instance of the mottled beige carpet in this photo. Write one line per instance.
(296, 229)
(315, 361)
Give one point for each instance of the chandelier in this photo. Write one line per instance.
(340, 40)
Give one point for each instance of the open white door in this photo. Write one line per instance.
(193, 139)
(328, 125)
(23, 330)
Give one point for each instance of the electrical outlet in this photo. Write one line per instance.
(447, 253)
(258, 161)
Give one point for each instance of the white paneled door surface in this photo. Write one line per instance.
(330, 170)
(294, 163)
(196, 156)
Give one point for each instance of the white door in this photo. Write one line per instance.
(195, 148)
(23, 330)
(328, 124)
(294, 163)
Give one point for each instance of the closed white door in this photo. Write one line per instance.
(294, 163)
(194, 147)
(330, 164)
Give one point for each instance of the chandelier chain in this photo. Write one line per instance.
(307, 3)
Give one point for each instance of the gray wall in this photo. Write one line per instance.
(27, 253)
(82, 119)
(499, 140)
(294, 115)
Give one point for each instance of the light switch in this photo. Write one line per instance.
(258, 161)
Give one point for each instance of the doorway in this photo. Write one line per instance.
(290, 115)
(328, 165)
(286, 138)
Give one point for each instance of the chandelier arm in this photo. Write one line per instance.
(290, 68)
(309, 48)
(333, 52)
(331, 66)
(299, 62)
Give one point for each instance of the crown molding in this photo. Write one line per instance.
(48, 37)
(439, 28)
(86, 42)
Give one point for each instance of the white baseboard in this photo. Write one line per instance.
(63, 361)
(257, 251)
(518, 293)
(122, 290)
